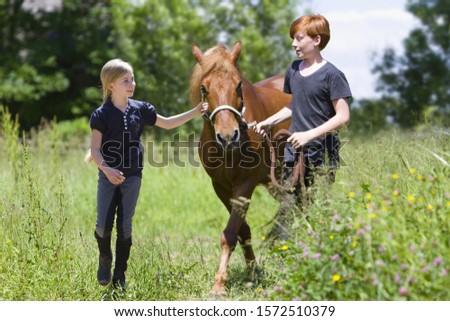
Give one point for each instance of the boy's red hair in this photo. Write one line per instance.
(313, 26)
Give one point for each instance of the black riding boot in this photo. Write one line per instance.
(105, 259)
(122, 255)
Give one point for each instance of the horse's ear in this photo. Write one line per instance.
(235, 51)
(198, 54)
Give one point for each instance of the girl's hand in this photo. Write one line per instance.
(114, 176)
(202, 107)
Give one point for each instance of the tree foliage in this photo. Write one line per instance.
(51, 59)
(419, 79)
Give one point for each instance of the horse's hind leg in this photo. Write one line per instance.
(244, 233)
(245, 239)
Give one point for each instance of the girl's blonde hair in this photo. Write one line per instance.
(111, 71)
(313, 26)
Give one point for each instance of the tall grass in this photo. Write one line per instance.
(380, 232)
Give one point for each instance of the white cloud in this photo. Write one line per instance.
(376, 15)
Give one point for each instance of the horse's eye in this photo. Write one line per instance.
(203, 90)
(239, 89)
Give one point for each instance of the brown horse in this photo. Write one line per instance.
(233, 156)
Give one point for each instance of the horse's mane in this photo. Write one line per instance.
(214, 60)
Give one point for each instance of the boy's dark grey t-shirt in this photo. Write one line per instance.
(312, 104)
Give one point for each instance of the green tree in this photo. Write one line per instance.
(419, 79)
(263, 28)
(50, 59)
(26, 76)
(369, 116)
(157, 38)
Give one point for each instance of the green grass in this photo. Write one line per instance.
(381, 232)
(385, 239)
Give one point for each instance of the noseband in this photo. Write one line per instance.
(239, 114)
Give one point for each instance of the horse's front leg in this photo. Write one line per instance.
(229, 240)
(220, 279)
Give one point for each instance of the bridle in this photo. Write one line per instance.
(209, 116)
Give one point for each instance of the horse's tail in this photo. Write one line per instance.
(88, 157)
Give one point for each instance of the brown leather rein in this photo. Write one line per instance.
(298, 174)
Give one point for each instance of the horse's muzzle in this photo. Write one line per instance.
(229, 141)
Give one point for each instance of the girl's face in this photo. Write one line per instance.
(305, 47)
(123, 87)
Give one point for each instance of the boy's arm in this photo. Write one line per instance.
(339, 120)
(283, 114)
(180, 119)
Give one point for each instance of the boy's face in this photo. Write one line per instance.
(305, 47)
(123, 86)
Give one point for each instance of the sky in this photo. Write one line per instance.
(358, 29)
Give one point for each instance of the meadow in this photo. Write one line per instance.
(381, 232)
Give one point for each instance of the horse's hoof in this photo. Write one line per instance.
(218, 292)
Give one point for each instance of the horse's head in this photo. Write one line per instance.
(216, 79)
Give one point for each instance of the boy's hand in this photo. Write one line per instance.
(262, 128)
(298, 139)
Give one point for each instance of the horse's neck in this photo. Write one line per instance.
(255, 104)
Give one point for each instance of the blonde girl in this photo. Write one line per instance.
(117, 126)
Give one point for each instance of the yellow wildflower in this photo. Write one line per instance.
(430, 207)
(336, 277)
(331, 237)
(368, 196)
(412, 171)
(354, 244)
(395, 176)
(411, 198)
(284, 247)
(420, 177)
(372, 215)
(351, 194)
